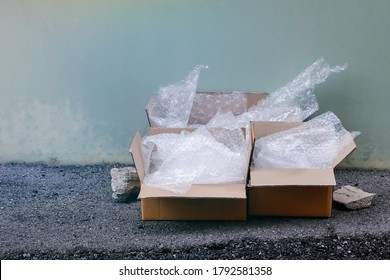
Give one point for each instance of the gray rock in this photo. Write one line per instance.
(124, 183)
(353, 198)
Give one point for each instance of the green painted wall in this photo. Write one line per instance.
(75, 75)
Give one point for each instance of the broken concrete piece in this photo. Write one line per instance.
(124, 183)
(353, 198)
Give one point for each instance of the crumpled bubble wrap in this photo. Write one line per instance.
(206, 105)
(174, 102)
(314, 144)
(298, 95)
(293, 102)
(205, 156)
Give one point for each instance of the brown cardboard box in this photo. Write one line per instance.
(201, 202)
(207, 104)
(290, 192)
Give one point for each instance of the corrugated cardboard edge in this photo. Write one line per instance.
(254, 97)
(152, 102)
(198, 191)
(136, 153)
(158, 130)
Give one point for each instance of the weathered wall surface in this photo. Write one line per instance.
(75, 75)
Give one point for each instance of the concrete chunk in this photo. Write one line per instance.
(124, 183)
(353, 198)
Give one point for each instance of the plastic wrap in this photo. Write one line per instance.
(297, 97)
(206, 105)
(314, 144)
(205, 156)
(293, 102)
(174, 102)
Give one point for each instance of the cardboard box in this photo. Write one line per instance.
(201, 202)
(207, 104)
(290, 192)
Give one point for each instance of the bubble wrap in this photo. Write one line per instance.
(206, 105)
(297, 98)
(206, 156)
(174, 102)
(293, 102)
(314, 144)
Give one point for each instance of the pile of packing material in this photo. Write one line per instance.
(293, 102)
(286, 186)
(194, 159)
(192, 174)
(205, 156)
(314, 144)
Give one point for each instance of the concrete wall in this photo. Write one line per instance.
(75, 75)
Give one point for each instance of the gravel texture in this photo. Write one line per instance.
(67, 212)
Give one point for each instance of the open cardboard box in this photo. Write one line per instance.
(290, 192)
(200, 202)
(207, 104)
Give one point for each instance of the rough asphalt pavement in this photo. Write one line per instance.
(67, 212)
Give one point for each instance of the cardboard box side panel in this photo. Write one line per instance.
(305, 201)
(157, 130)
(136, 153)
(150, 209)
(249, 160)
(254, 97)
(198, 191)
(207, 104)
(291, 177)
(193, 209)
(262, 129)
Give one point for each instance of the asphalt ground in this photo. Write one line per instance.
(67, 212)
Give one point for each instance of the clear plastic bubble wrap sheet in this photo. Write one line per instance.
(293, 102)
(206, 105)
(174, 102)
(314, 144)
(205, 156)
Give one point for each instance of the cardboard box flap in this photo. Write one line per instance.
(158, 130)
(265, 128)
(254, 97)
(198, 191)
(136, 153)
(292, 177)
